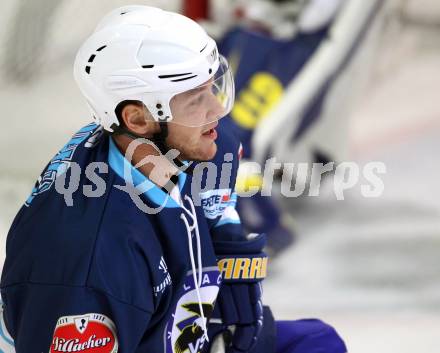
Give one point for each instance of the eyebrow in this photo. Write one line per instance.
(195, 91)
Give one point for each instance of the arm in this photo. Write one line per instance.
(51, 318)
(239, 310)
(243, 265)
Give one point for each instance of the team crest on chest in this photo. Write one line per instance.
(184, 331)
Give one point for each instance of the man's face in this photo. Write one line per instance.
(200, 109)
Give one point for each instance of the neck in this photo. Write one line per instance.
(148, 160)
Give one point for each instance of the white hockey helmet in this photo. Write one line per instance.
(145, 54)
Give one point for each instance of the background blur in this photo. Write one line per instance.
(370, 267)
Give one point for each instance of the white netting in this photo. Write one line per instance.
(39, 37)
(42, 36)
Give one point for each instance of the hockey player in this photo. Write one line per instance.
(124, 245)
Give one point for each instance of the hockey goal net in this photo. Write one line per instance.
(41, 37)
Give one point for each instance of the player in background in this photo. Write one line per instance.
(130, 241)
(271, 45)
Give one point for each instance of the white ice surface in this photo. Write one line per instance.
(371, 267)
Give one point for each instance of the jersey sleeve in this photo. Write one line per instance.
(76, 286)
(57, 318)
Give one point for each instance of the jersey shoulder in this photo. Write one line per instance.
(79, 244)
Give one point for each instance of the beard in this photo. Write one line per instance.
(192, 145)
(196, 152)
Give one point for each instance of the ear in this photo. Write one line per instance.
(138, 120)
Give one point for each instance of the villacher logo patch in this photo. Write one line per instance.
(91, 333)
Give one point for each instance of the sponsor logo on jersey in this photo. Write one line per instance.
(85, 333)
(159, 289)
(184, 331)
(214, 202)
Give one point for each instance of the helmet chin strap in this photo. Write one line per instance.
(159, 139)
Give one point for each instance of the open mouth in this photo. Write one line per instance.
(211, 133)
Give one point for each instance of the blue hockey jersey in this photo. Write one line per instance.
(93, 272)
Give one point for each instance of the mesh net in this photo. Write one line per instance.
(41, 37)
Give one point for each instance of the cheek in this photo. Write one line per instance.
(194, 117)
(190, 135)
(183, 135)
(199, 117)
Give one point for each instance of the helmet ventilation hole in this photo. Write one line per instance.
(204, 47)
